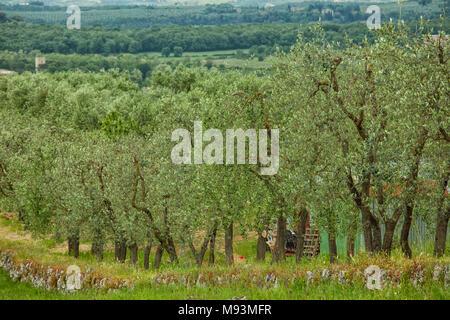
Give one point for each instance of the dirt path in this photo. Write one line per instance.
(7, 233)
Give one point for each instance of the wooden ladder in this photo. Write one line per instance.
(311, 246)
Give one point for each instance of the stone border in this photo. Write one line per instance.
(418, 275)
(55, 277)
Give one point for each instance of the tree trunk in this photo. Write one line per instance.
(229, 260)
(301, 230)
(74, 245)
(389, 236)
(120, 250)
(405, 232)
(158, 257)
(168, 243)
(411, 189)
(133, 253)
(367, 233)
(363, 207)
(200, 255)
(147, 251)
(21, 215)
(100, 252)
(97, 245)
(350, 245)
(280, 243)
(261, 247)
(171, 250)
(57, 236)
(376, 234)
(332, 247)
(441, 232)
(442, 218)
(69, 246)
(93, 248)
(210, 238)
(123, 251)
(116, 249)
(332, 237)
(212, 244)
(351, 237)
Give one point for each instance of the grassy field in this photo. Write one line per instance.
(298, 291)
(224, 58)
(170, 12)
(48, 251)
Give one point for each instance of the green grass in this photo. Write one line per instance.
(12, 224)
(48, 251)
(227, 58)
(10, 290)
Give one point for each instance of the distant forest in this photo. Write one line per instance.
(222, 14)
(16, 35)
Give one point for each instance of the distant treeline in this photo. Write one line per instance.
(21, 62)
(140, 66)
(59, 39)
(15, 36)
(146, 16)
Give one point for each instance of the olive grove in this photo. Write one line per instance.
(363, 145)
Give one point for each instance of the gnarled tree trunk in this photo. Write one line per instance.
(158, 257)
(442, 218)
(332, 247)
(200, 254)
(388, 236)
(210, 237)
(261, 244)
(301, 229)
(405, 232)
(332, 238)
(97, 245)
(212, 244)
(441, 232)
(279, 253)
(351, 237)
(229, 260)
(133, 253)
(74, 245)
(261, 247)
(364, 208)
(171, 250)
(411, 190)
(350, 245)
(376, 235)
(147, 251)
(120, 250)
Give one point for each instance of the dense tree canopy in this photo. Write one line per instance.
(88, 155)
(223, 14)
